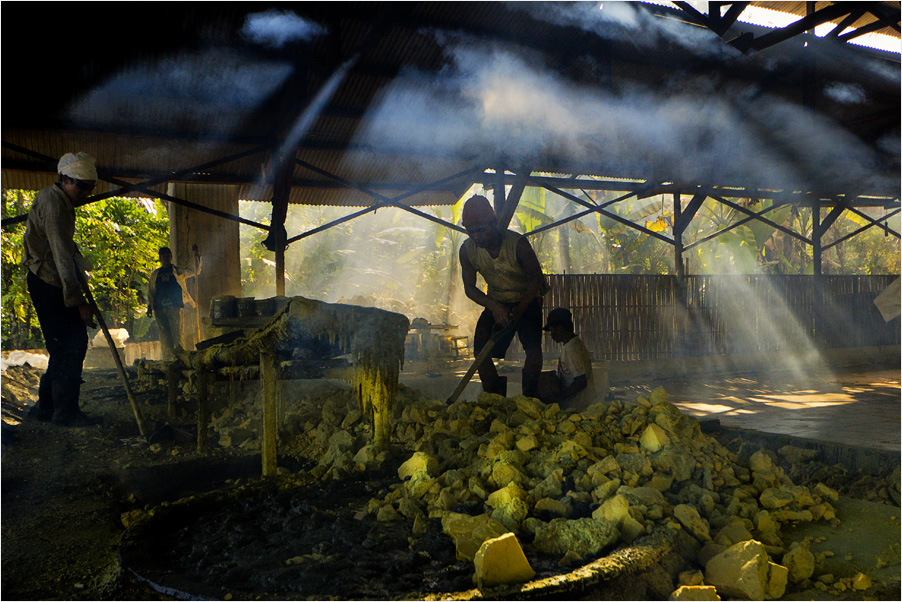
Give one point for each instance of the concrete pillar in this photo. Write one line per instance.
(217, 240)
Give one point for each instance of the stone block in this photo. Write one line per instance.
(658, 396)
(861, 582)
(504, 472)
(825, 492)
(512, 514)
(693, 577)
(774, 498)
(527, 443)
(505, 495)
(630, 529)
(553, 506)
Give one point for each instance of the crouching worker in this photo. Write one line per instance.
(516, 284)
(572, 386)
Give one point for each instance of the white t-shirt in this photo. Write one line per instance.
(576, 361)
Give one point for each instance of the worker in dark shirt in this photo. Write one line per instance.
(167, 294)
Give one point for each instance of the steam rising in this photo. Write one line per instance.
(499, 103)
(202, 82)
(845, 93)
(277, 28)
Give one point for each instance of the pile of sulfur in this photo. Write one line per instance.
(575, 485)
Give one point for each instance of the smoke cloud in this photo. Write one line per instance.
(501, 102)
(202, 82)
(276, 28)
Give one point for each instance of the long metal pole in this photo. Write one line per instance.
(139, 417)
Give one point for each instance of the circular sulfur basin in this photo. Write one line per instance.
(289, 539)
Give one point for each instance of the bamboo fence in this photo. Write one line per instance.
(638, 317)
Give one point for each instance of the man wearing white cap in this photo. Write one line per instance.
(54, 268)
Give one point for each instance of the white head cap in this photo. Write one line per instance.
(79, 166)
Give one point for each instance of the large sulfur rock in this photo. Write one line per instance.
(741, 571)
(800, 562)
(469, 532)
(694, 524)
(585, 536)
(695, 592)
(419, 465)
(732, 533)
(500, 561)
(556, 507)
(777, 576)
(505, 495)
(653, 438)
(613, 510)
(504, 472)
(676, 461)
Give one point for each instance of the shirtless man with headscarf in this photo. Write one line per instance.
(516, 284)
(54, 268)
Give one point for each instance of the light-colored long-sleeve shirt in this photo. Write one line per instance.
(50, 250)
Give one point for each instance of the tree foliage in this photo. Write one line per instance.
(119, 236)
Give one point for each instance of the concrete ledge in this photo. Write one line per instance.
(852, 457)
(804, 361)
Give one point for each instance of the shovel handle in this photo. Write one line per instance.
(486, 350)
(139, 417)
(471, 371)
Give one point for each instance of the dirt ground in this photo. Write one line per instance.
(64, 491)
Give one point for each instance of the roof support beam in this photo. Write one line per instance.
(824, 15)
(876, 25)
(513, 198)
(850, 18)
(126, 187)
(384, 201)
(599, 209)
(863, 228)
(742, 209)
(713, 20)
(686, 215)
(731, 227)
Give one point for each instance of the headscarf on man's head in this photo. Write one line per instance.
(477, 210)
(78, 166)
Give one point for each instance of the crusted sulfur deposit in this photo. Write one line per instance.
(373, 337)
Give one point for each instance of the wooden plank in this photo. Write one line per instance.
(269, 377)
(204, 381)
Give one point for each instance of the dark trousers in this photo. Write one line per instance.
(66, 338)
(169, 321)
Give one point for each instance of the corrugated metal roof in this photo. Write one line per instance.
(186, 86)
